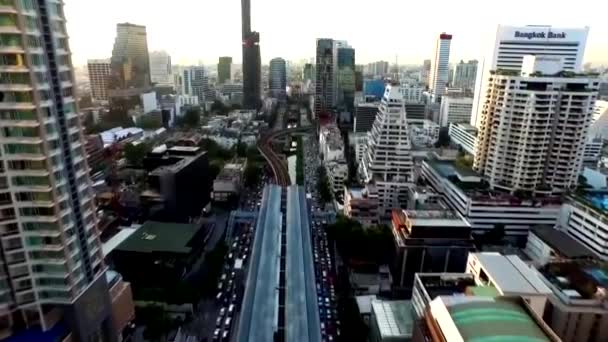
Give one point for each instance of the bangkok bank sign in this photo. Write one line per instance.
(540, 35)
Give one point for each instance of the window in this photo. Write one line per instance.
(22, 149)
(31, 181)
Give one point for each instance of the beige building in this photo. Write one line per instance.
(99, 73)
(534, 126)
(361, 204)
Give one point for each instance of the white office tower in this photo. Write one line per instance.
(513, 43)
(534, 126)
(51, 260)
(440, 66)
(160, 69)
(387, 159)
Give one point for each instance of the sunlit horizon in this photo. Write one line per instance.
(200, 31)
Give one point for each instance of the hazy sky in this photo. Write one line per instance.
(202, 30)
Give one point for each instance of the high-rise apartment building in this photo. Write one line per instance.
(534, 126)
(52, 266)
(440, 68)
(324, 80)
(387, 160)
(160, 69)
(377, 69)
(252, 64)
(130, 64)
(99, 73)
(277, 80)
(465, 75)
(224, 70)
(513, 43)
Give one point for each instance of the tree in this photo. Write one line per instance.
(135, 154)
(219, 107)
(191, 119)
(157, 322)
(241, 150)
(149, 122)
(323, 185)
(495, 235)
(252, 174)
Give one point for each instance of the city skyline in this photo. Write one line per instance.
(91, 26)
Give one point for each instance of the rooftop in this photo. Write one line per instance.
(578, 279)
(491, 319)
(473, 185)
(594, 200)
(181, 164)
(394, 318)
(510, 274)
(155, 237)
(563, 243)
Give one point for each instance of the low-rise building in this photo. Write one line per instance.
(433, 240)
(337, 173)
(159, 255)
(464, 136)
(479, 318)
(596, 177)
(510, 276)
(577, 309)
(361, 204)
(585, 217)
(179, 182)
(454, 109)
(228, 183)
(391, 321)
(467, 193)
(331, 145)
(548, 244)
(423, 133)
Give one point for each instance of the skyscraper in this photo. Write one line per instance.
(346, 79)
(224, 69)
(195, 82)
(465, 75)
(277, 80)
(513, 43)
(324, 80)
(308, 72)
(387, 160)
(252, 68)
(440, 68)
(130, 60)
(425, 72)
(160, 69)
(534, 126)
(99, 73)
(51, 256)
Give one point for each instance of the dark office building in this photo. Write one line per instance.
(130, 63)
(324, 80)
(415, 111)
(428, 241)
(365, 114)
(224, 67)
(346, 79)
(180, 178)
(252, 69)
(159, 255)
